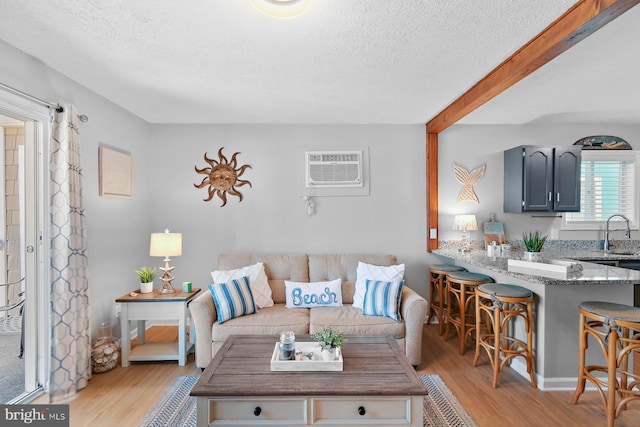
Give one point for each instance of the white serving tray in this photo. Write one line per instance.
(548, 267)
(308, 358)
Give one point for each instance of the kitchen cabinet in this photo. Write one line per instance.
(542, 179)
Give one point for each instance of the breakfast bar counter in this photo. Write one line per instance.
(556, 310)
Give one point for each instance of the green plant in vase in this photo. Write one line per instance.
(329, 340)
(533, 242)
(146, 276)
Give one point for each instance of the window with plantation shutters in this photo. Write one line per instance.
(608, 186)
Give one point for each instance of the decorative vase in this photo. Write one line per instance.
(532, 256)
(146, 288)
(329, 354)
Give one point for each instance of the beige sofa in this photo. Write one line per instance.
(210, 335)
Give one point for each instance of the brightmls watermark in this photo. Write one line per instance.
(34, 415)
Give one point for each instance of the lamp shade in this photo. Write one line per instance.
(165, 244)
(465, 222)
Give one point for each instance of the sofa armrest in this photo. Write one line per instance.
(414, 311)
(203, 315)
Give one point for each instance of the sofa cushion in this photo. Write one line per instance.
(257, 280)
(233, 299)
(367, 271)
(267, 321)
(316, 294)
(294, 267)
(350, 320)
(383, 299)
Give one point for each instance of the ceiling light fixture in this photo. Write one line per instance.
(281, 8)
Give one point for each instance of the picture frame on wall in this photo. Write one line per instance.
(116, 172)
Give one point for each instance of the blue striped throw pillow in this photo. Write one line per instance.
(233, 298)
(383, 299)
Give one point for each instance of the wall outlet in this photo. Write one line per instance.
(433, 233)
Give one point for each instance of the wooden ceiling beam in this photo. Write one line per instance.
(580, 21)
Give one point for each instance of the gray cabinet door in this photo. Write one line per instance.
(566, 181)
(538, 178)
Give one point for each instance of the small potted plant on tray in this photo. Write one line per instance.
(146, 276)
(533, 243)
(329, 340)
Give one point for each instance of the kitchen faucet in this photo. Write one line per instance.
(627, 232)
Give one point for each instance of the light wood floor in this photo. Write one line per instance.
(122, 396)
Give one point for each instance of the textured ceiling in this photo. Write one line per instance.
(213, 61)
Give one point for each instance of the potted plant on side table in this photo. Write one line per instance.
(533, 242)
(146, 276)
(329, 341)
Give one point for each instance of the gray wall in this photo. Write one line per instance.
(118, 229)
(474, 145)
(272, 216)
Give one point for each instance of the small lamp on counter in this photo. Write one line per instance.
(166, 245)
(465, 223)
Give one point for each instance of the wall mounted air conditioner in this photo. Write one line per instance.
(333, 169)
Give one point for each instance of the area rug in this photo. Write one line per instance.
(176, 408)
(10, 325)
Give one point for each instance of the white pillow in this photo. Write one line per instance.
(257, 278)
(392, 273)
(314, 294)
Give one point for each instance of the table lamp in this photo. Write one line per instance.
(465, 223)
(166, 245)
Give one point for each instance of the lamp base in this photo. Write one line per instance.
(164, 291)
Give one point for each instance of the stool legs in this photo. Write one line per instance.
(616, 347)
(437, 299)
(493, 334)
(460, 297)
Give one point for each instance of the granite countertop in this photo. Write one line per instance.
(590, 273)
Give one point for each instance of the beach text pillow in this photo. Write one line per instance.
(314, 294)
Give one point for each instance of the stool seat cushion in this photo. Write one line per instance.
(504, 290)
(612, 310)
(468, 276)
(446, 267)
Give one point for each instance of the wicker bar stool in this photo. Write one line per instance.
(438, 292)
(461, 312)
(500, 305)
(616, 328)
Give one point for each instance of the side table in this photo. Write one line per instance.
(156, 306)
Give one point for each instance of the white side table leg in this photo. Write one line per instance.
(124, 335)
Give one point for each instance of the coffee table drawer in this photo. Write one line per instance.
(367, 411)
(256, 411)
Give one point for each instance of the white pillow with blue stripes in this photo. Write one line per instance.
(233, 298)
(383, 299)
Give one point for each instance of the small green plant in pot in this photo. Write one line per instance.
(533, 242)
(329, 340)
(146, 276)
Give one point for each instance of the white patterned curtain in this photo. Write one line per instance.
(70, 322)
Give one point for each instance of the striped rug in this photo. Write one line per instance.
(176, 408)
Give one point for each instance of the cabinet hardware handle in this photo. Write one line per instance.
(361, 410)
(257, 411)
(549, 195)
(557, 197)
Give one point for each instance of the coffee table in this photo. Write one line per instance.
(377, 386)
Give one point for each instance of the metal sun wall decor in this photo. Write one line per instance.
(222, 177)
(468, 179)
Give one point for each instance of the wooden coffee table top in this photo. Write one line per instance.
(373, 366)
